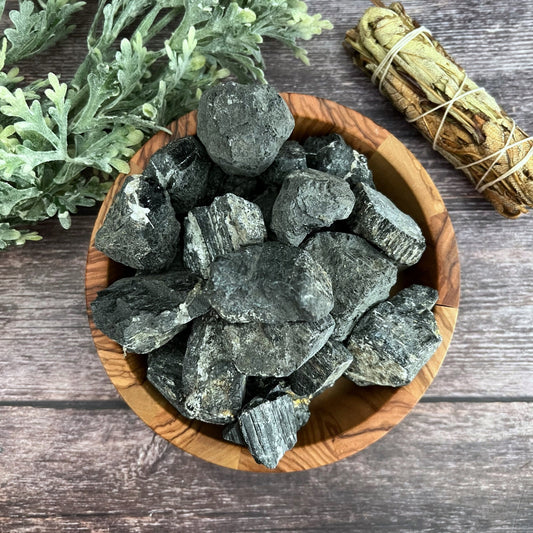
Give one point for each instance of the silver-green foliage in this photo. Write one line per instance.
(36, 30)
(61, 144)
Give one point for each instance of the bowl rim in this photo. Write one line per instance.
(128, 374)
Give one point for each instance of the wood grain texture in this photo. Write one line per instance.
(347, 418)
(105, 471)
(447, 467)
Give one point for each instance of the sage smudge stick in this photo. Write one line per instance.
(464, 123)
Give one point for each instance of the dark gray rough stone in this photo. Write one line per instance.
(416, 297)
(322, 370)
(360, 275)
(227, 224)
(291, 156)
(213, 388)
(243, 126)
(394, 339)
(380, 222)
(182, 168)
(301, 407)
(215, 183)
(269, 282)
(309, 200)
(244, 186)
(269, 429)
(265, 202)
(232, 432)
(359, 171)
(260, 386)
(164, 369)
(140, 229)
(277, 350)
(330, 154)
(144, 312)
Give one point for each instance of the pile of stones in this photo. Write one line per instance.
(263, 272)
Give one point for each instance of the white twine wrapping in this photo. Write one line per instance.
(382, 70)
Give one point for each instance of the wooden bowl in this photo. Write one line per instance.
(346, 418)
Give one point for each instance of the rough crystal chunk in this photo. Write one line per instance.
(232, 431)
(259, 349)
(265, 202)
(309, 200)
(140, 229)
(290, 157)
(416, 297)
(322, 370)
(144, 312)
(269, 429)
(164, 369)
(221, 183)
(182, 168)
(394, 339)
(213, 389)
(227, 224)
(330, 154)
(379, 221)
(359, 171)
(243, 126)
(360, 275)
(269, 282)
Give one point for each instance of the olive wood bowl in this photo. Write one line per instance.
(346, 418)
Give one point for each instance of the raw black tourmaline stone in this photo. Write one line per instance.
(221, 183)
(322, 370)
(290, 157)
(213, 389)
(269, 429)
(164, 369)
(329, 153)
(359, 171)
(265, 202)
(226, 225)
(270, 282)
(309, 200)
(394, 339)
(232, 431)
(182, 168)
(243, 126)
(140, 229)
(259, 349)
(144, 312)
(380, 222)
(360, 275)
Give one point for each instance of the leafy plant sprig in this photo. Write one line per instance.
(36, 30)
(62, 144)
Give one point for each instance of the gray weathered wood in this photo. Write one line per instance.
(105, 471)
(73, 458)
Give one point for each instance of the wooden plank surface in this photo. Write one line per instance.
(103, 470)
(73, 458)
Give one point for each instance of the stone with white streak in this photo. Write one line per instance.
(140, 229)
(144, 312)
